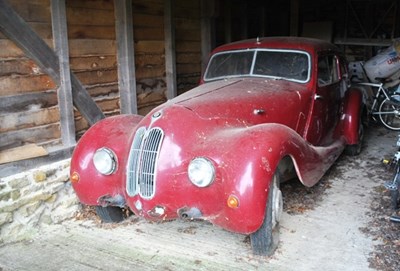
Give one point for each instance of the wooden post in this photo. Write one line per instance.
(294, 18)
(228, 21)
(17, 30)
(126, 56)
(207, 10)
(64, 93)
(170, 57)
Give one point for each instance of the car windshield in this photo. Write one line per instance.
(278, 64)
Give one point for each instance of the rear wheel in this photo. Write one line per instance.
(110, 214)
(389, 114)
(355, 149)
(265, 240)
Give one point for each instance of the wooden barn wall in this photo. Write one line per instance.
(188, 43)
(92, 50)
(28, 99)
(29, 111)
(148, 34)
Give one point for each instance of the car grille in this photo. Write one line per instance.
(142, 162)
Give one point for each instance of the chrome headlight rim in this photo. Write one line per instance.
(105, 161)
(201, 171)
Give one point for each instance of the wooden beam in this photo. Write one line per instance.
(126, 56)
(170, 56)
(64, 93)
(18, 31)
(22, 153)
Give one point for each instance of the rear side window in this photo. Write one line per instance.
(327, 70)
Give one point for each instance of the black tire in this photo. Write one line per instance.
(355, 149)
(265, 240)
(389, 114)
(110, 214)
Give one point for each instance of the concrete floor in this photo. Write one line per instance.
(325, 238)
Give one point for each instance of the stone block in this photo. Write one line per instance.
(5, 218)
(5, 195)
(19, 183)
(29, 209)
(15, 194)
(39, 176)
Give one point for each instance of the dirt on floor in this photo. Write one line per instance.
(339, 224)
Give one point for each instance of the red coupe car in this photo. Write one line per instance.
(266, 110)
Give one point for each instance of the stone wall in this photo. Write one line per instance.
(34, 198)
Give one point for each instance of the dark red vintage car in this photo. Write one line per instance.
(266, 110)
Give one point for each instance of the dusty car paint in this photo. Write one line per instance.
(246, 126)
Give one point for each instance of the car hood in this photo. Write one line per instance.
(247, 100)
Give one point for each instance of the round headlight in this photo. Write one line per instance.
(105, 161)
(201, 172)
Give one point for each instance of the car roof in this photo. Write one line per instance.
(290, 43)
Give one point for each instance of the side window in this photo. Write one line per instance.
(327, 70)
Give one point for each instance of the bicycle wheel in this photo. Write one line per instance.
(389, 114)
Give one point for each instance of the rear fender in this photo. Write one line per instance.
(352, 113)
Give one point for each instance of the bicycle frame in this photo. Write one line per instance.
(381, 89)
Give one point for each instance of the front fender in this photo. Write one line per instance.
(252, 156)
(114, 133)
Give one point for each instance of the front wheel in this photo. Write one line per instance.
(110, 214)
(265, 240)
(389, 114)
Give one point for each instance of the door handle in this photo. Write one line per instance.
(318, 97)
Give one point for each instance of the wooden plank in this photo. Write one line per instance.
(126, 56)
(30, 135)
(150, 71)
(103, 89)
(187, 23)
(187, 34)
(90, 16)
(21, 66)
(188, 68)
(93, 63)
(92, 47)
(14, 85)
(149, 47)
(22, 153)
(64, 93)
(16, 29)
(27, 119)
(106, 32)
(90, 4)
(170, 57)
(148, 33)
(153, 84)
(148, 7)
(187, 58)
(24, 165)
(25, 102)
(145, 20)
(97, 77)
(188, 46)
(32, 11)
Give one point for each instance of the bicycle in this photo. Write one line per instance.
(394, 185)
(389, 107)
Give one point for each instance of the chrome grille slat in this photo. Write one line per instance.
(142, 162)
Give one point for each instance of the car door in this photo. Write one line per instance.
(326, 101)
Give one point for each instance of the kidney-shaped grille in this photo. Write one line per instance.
(142, 162)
